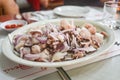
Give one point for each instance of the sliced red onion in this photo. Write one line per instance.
(88, 49)
(15, 40)
(22, 38)
(67, 38)
(19, 45)
(31, 57)
(66, 47)
(24, 51)
(42, 39)
(43, 55)
(54, 36)
(28, 42)
(74, 42)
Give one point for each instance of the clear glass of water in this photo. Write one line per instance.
(111, 14)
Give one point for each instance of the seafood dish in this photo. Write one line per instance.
(55, 43)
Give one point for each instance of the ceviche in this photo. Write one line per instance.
(55, 43)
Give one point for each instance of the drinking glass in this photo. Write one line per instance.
(111, 14)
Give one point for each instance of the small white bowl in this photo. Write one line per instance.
(10, 22)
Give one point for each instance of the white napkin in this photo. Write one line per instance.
(42, 15)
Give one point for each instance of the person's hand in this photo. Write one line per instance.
(10, 7)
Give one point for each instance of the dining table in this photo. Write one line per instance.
(103, 67)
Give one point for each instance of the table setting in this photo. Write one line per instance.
(57, 13)
(12, 67)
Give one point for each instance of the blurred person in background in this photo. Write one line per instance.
(37, 4)
(8, 7)
(45, 4)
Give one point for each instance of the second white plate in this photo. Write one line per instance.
(71, 11)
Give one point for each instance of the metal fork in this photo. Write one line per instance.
(63, 74)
